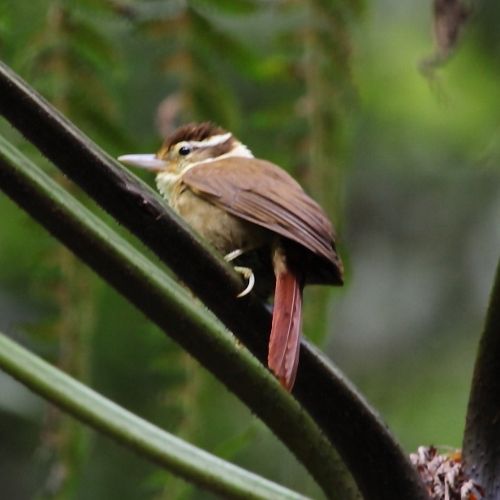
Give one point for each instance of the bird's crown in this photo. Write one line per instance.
(199, 142)
(194, 132)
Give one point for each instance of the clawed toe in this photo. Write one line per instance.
(233, 255)
(248, 275)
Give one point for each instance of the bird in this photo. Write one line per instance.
(242, 205)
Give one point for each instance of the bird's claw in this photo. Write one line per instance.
(233, 255)
(247, 274)
(245, 271)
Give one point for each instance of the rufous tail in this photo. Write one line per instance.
(284, 342)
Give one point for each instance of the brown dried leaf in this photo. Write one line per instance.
(450, 17)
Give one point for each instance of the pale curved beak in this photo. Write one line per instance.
(148, 162)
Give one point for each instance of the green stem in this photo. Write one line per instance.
(181, 458)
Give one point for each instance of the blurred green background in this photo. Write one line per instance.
(407, 166)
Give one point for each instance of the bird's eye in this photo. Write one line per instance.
(184, 150)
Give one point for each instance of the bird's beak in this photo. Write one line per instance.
(147, 162)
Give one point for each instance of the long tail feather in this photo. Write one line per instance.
(284, 342)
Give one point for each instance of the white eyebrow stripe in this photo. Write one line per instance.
(211, 141)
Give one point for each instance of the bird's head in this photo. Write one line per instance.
(188, 146)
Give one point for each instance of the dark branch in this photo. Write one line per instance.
(482, 430)
(379, 466)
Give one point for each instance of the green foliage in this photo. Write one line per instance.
(408, 176)
(228, 6)
(4, 22)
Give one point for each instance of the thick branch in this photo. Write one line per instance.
(482, 431)
(348, 422)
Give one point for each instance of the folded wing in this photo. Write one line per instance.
(264, 194)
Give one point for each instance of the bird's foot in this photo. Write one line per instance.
(248, 275)
(234, 254)
(245, 271)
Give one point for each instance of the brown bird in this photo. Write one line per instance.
(242, 204)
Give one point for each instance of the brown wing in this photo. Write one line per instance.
(263, 193)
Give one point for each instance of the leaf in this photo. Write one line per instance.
(217, 43)
(231, 7)
(450, 17)
(92, 44)
(172, 453)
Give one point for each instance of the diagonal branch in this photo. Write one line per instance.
(174, 454)
(482, 429)
(348, 422)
